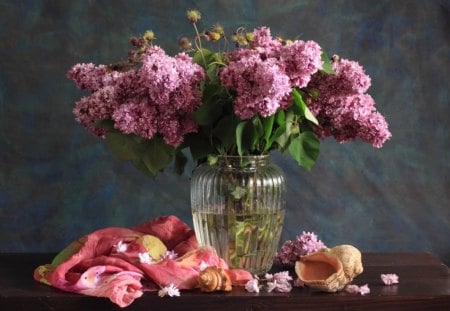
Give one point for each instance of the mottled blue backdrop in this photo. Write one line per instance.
(58, 182)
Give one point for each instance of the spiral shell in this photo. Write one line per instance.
(214, 279)
(322, 271)
(330, 270)
(350, 257)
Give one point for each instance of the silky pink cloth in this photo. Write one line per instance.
(93, 266)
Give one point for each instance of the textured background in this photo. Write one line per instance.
(58, 182)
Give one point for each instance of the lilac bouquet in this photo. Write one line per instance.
(266, 94)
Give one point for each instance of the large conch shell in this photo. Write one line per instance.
(330, 270)
(214, 279)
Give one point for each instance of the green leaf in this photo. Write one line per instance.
(327, 67)
(198, 58)
(208, 112)
(121, 145)
(275, 136)
(239, 135)
(280, 117)
(267, 124)
(225, 130)
(105, 124)
(305, 149)
(180, 162)
(199, 146)
(301, 107)
(157, 155)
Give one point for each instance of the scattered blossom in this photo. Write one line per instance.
(171, 290)
(389, 279)
(203, 266)
(352, 289)
(145, 258)
(299, 283)
(364, 290)
(279, 282)
(169, 255)
(304, 244)
(252, 286)
(355, 289)
(121, 247)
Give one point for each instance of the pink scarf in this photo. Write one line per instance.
(106, 263)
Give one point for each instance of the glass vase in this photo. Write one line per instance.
(238, 206)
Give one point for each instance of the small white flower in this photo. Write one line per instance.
(252, 286)
(169, 255)
(170, 290)
(121, 247)
(203, 266)
(145, 258)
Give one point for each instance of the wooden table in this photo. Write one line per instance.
(424, 285)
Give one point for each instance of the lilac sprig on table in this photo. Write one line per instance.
(304, 244)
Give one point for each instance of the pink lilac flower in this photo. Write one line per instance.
(364, 290)
(301, 60)
(87, 76)
(98, 106)
(355, 289)
(343, 109)
(352, 289)
(260, 86)
(252, 286)
(157, 98)
(279, 282)
(389, 279)
(136, 118)
(264, 44)
(171, 290)
(280, 287)
(304, 244)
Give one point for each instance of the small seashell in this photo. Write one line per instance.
(214, 279)
(322, 271)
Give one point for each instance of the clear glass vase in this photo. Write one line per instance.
(238, 207)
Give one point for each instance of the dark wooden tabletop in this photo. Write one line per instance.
(424, 285)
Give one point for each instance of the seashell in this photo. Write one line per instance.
(214, 279)
(330, 269)
(321, 270)
(350, 257)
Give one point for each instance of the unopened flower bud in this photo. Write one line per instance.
(213, 36)
(184, 43)
(249, 36)
(149, 35)
(239, 39)
(193, 15)
(218, 29)
(134, 41)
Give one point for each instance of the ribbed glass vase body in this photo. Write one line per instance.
(238, 207)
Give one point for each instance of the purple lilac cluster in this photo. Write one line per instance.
(343, 108)
(159, 97)
(264, 74)
(304, 244)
